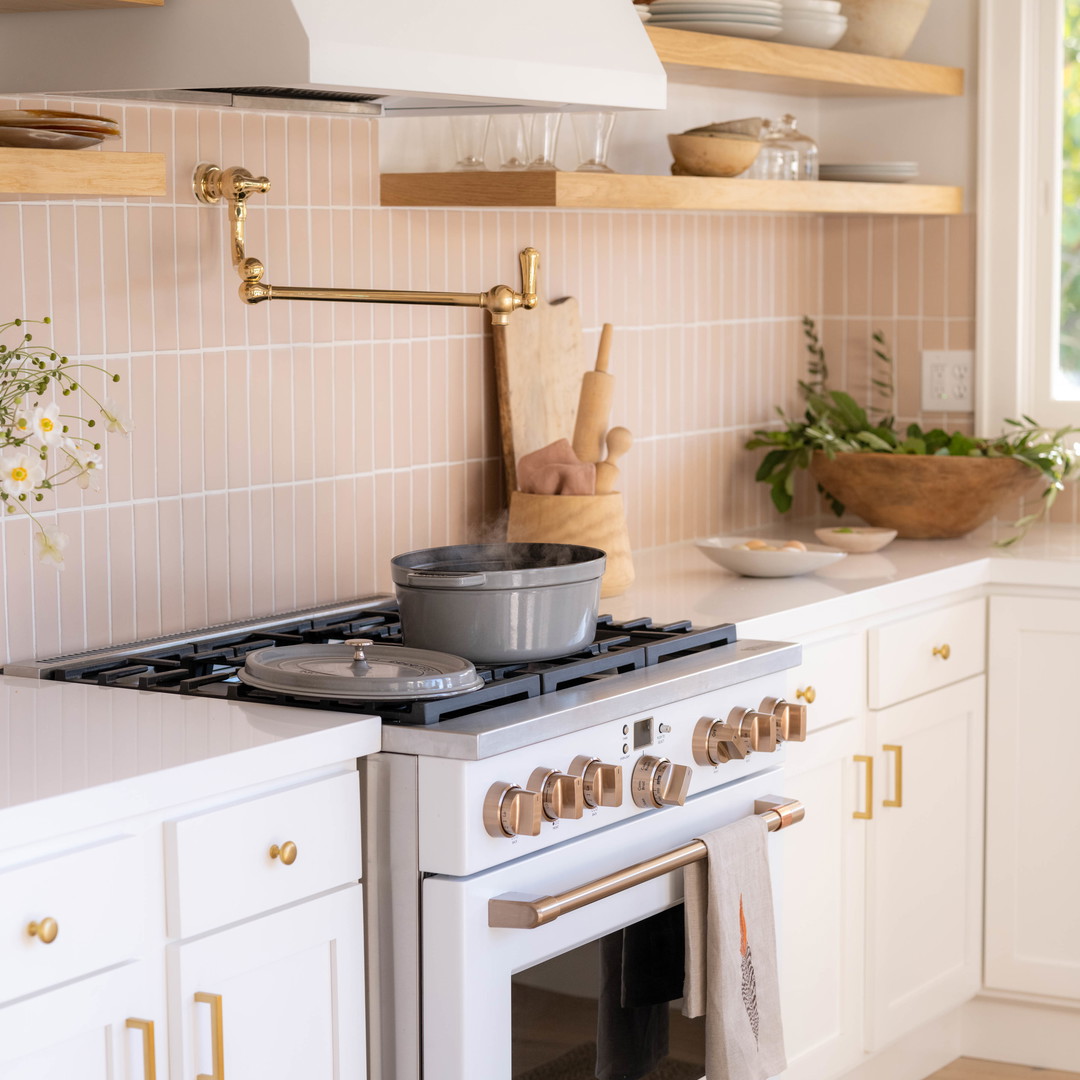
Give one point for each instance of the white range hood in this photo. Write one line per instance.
(407, 55)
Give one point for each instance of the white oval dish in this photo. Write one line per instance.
(855, 539)
(722, 551)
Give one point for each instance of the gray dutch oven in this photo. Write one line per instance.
(499, 603)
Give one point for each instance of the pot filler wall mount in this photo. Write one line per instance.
(236, 185)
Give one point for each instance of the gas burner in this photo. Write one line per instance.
(206, 664)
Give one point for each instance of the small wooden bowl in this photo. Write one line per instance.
(712, 155)
(923, 497)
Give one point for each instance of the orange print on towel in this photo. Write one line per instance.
(749, 983)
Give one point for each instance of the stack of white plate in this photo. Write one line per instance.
(815, 23)
(736, 18)
(48, 129)
(880, 172)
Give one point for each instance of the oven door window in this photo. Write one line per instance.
(610, 1009)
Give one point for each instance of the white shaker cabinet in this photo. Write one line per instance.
(106, 1027)
(1033, 798)
(275, 998)
(924, 858)
(820, 906)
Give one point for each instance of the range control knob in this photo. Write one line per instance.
(561, 794)
(790, 718)
(758, 728)
(713, 741)
(657, 782)
(601, 783)
(510, 810)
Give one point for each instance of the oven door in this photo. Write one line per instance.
(513, 1004)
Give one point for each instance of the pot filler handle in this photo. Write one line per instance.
(431, 580)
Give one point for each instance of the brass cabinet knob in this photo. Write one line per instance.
(601, 783)
(657, 782)
(510, 811)
(45, 931)
(943, 651)
(286, 852)
(561, 794)
(806, 695)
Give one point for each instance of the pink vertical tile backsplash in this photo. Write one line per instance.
(284, 452)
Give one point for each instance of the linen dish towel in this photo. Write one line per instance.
(731, 954)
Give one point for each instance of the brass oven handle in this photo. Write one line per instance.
(898, 776)
(517, 914)
(868, 813)
(217, 1036)
(149, 1053)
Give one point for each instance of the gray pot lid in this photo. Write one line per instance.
(359, 670)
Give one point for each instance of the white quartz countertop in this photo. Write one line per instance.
(96, 751)
(680, 582)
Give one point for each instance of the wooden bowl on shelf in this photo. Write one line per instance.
(712, 155)
(923, 497)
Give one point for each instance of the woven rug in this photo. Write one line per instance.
(580, 1064)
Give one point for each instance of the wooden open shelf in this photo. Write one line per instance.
(80, 172)
(623, 191)
(744, 64)
(72, 5)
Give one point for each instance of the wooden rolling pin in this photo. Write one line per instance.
(619, 440)
(594, 404)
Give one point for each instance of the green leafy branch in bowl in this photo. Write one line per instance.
(834, 423)
(42, 448)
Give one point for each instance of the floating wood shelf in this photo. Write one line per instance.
(743, 64)
(623, 191)
(72, 5)
(80, 172)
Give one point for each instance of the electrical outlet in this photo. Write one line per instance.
(947, 376)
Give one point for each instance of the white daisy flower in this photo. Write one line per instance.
(115, 420)
(49, 544)
(20, 473)
(87, 464)
(45, 424)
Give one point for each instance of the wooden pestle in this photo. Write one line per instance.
(619, 440)
(594, 404)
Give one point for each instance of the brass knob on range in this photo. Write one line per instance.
(286, 852)
(561, 794)
(657, 782)
(790, 717)
(601, 784)
(45, 931)
(510, 810)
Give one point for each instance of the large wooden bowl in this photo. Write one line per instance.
(923, 498)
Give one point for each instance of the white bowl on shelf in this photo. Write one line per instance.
(811, 31)
(723, 551)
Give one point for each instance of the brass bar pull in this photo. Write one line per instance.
(898, 776)
(235, 185)
(868, 813)
(149, 1053)
(518, 914)
(217, 1036)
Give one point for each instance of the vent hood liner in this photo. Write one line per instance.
(563, 52)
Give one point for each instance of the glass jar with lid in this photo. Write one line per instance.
(786, 153)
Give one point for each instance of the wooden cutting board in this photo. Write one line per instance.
(539, 363)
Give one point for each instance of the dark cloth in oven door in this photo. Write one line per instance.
(641, 971)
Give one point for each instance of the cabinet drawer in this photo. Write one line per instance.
(926, 652)
(831, 680)
(220, 863)
(95, 898)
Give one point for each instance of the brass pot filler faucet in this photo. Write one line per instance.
(235, 185)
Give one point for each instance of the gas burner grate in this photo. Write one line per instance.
(209, 667)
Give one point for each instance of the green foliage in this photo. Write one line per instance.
(834, 423)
